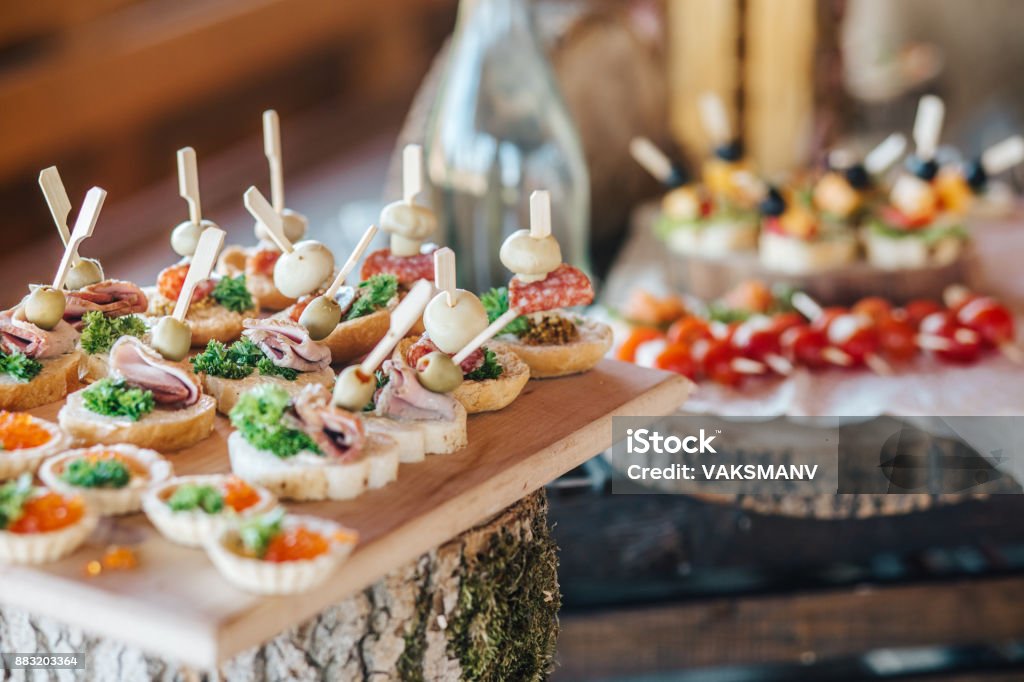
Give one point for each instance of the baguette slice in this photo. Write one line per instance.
(207, 322)
(490, 394)
(232, 263)
(162, 429)
(419, 438)
(549, 361)
(353, 339)
(59, 376)
(412, 447)
(306, 475)
(227, 391)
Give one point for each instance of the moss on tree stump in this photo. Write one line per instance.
(483, 606)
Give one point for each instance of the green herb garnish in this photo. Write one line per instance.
(100, 332)
(238, 361)
(104, 473)
(13, 496)
(231, 293)
(256, 534)
(490, 369)
(19, 366)
(372, 295)
(190, 496)
(259, 415)
(381, 378)
(496, 304)
(116, 398)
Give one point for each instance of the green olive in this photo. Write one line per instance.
(87, 271)
(172, 338)
(44, 307)
(185, 237)
(320, 317)
(438, 373)
(353, 390)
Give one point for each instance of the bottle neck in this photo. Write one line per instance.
(494, 16)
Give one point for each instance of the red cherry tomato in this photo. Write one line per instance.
(715, 358)
(627, 351)
(897, 339)
(688, 330)
(804, 345)
(677, 358)
(784, 321)
(917, 310)
(756, 338)
(875, 307)
(990, 319)
(827, 315)
(964, 344)
(854, 334)
(897, 218)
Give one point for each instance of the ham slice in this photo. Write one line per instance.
(404, 398)
(18, 335)
(424, 346)
(287, 344)
(339, 433)
(112, 297)
(140, 365)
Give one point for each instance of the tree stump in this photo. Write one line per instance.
(483, 606)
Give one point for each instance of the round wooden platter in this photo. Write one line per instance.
(710, 278)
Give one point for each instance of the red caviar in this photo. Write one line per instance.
(19, 431)
(239, 495)
(296, 544)
(48, 512)
(172, 278)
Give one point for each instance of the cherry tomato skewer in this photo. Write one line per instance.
(758, 339)
(948, 340)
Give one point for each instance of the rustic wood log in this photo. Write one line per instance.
(482, 606)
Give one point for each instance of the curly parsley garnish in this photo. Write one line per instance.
(19, 366)
(13, 496)
(490, 369)
(496, 304)
(238, 361)
(372, 295)
(256, 534)
(231, 293)
(104, 473)
(189, 497)
(116, 398)
(259, 415)
(100, 332)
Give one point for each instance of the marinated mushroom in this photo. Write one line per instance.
(408, 224)
(453, 326)
(531, 258)
(303, 270)
(185, 236)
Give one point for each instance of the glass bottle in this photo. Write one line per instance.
(498, 130)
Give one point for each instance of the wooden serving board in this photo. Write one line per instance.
(176, 604)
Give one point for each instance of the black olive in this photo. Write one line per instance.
(677, 177)
(773, 204)
(976, 175)
(923, 169)
(857, 176)
(730, 151)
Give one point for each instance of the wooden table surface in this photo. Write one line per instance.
(176, 604)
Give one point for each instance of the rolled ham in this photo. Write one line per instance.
(112, 297)
(172, 385)
(18, 335)
(338, 433)
(405, 398)
(287, 344)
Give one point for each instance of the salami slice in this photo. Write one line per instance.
(408, 269)
(564, 287)
(424, 346)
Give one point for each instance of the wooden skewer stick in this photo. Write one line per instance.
(778, 364)
(1003, 156)
(272, 150)
(836, 356)
(885, 154)
(540, 214)
(260, 209)
(928, 126)
(84, 225)
(412, 172)
(403, 317)
(651, 159)
(484, 336)
(806, 306)
(715, 118)
(350, 264)
(58, 202)
(203, 260)
(444, 274)
(188, 183)
(747, 366)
